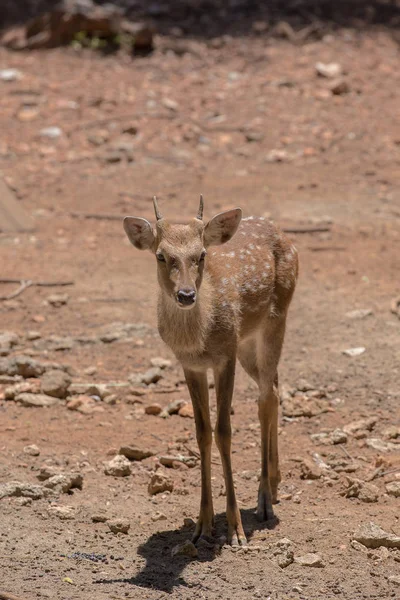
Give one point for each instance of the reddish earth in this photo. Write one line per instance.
(178, 124)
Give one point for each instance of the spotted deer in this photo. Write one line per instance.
(224, 293)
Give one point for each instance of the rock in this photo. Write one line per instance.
(254, 136)
(19, 388)
(83, 404)
(304, 386)
(119, 466)
(35, 400)
(46, 472)
(65, 513)
(90, 370)
(302, 406)
(161, 363)
(360, 313)
(8, 340)
(392, 432)
(339, 87)
(354, 351)
(152, 376)
(328, 70)
(153, 409)
(186, 549)
(18, 489)
(90, 389)
(361, 425)
(310, 560)
(64, 482)
(283, 551)
(372, 536)
(160, 483)
(173, 408)
(158, 516)
(277, 156)
(56, 383)
(112, 157)
(338, 437)
(8, 75)
(31, 336)
(99, 518)
(395, 579)
(135, 453)
(380, 445)
(186, 411)
(366, 492)
(170, 104)
(32, 450)
(119, 525)
(21, 365)
(393, 488)
(58, 300)
(309, 470)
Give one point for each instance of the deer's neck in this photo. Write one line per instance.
(185, 331)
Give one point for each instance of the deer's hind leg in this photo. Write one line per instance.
(259, 357)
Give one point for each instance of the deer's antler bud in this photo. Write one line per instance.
(156, 209)
(201, 206)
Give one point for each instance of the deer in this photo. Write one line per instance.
(225, 287)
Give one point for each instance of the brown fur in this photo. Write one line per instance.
(244, 288)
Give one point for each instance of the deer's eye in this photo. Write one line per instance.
(160, 257)
(202, 255)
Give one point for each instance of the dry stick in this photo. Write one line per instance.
(326, 248)
(346, 452)
(124, 117)
(25, 283)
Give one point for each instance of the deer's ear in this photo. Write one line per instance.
(139, 232)
(222, 227)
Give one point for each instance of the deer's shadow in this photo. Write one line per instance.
(163, 571)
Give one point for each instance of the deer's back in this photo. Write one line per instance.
(254, 274)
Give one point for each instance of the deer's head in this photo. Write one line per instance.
(181, 250)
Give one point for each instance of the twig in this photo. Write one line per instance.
(346, 452)
(25, 283)
(306, 229)
(105, 120)
(326, 248)
(389, 472)
(97, 216)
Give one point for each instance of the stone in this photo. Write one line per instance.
(366, 492)
(304, 386)
(47, 471)
(254, 136)
(173, 408)
(64, 482)
(58, 300)
(135, 453)
(338, 437)
(310, 560)
(392, 432)
(361, 425)
(55, 383)
(8, 75)
(153, 409)
(19, 388)
(372, 536)
(186, 411)
(152, 375)
(339, 87)
(360, 313)
(328, 70)
(160, 483)
(31, 336)
(32, 450)
(393, 488)
(65, 513)
(8, 340)
(354, 351)
(83, 404)
(170, 104)
(380, 445)
(119, 466)
(285, 558)
(119, 525)
(187, 549)
(99, 518)
(309, 470)
(161, 363)
(395, 579)
(158, 516)
(21, 365)
(18, 489)
(35, 400)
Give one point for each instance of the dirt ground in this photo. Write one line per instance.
(247, 124)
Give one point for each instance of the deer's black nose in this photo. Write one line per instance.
(186, 297)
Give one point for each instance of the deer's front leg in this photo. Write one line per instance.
(198, 388)
(224, 382)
